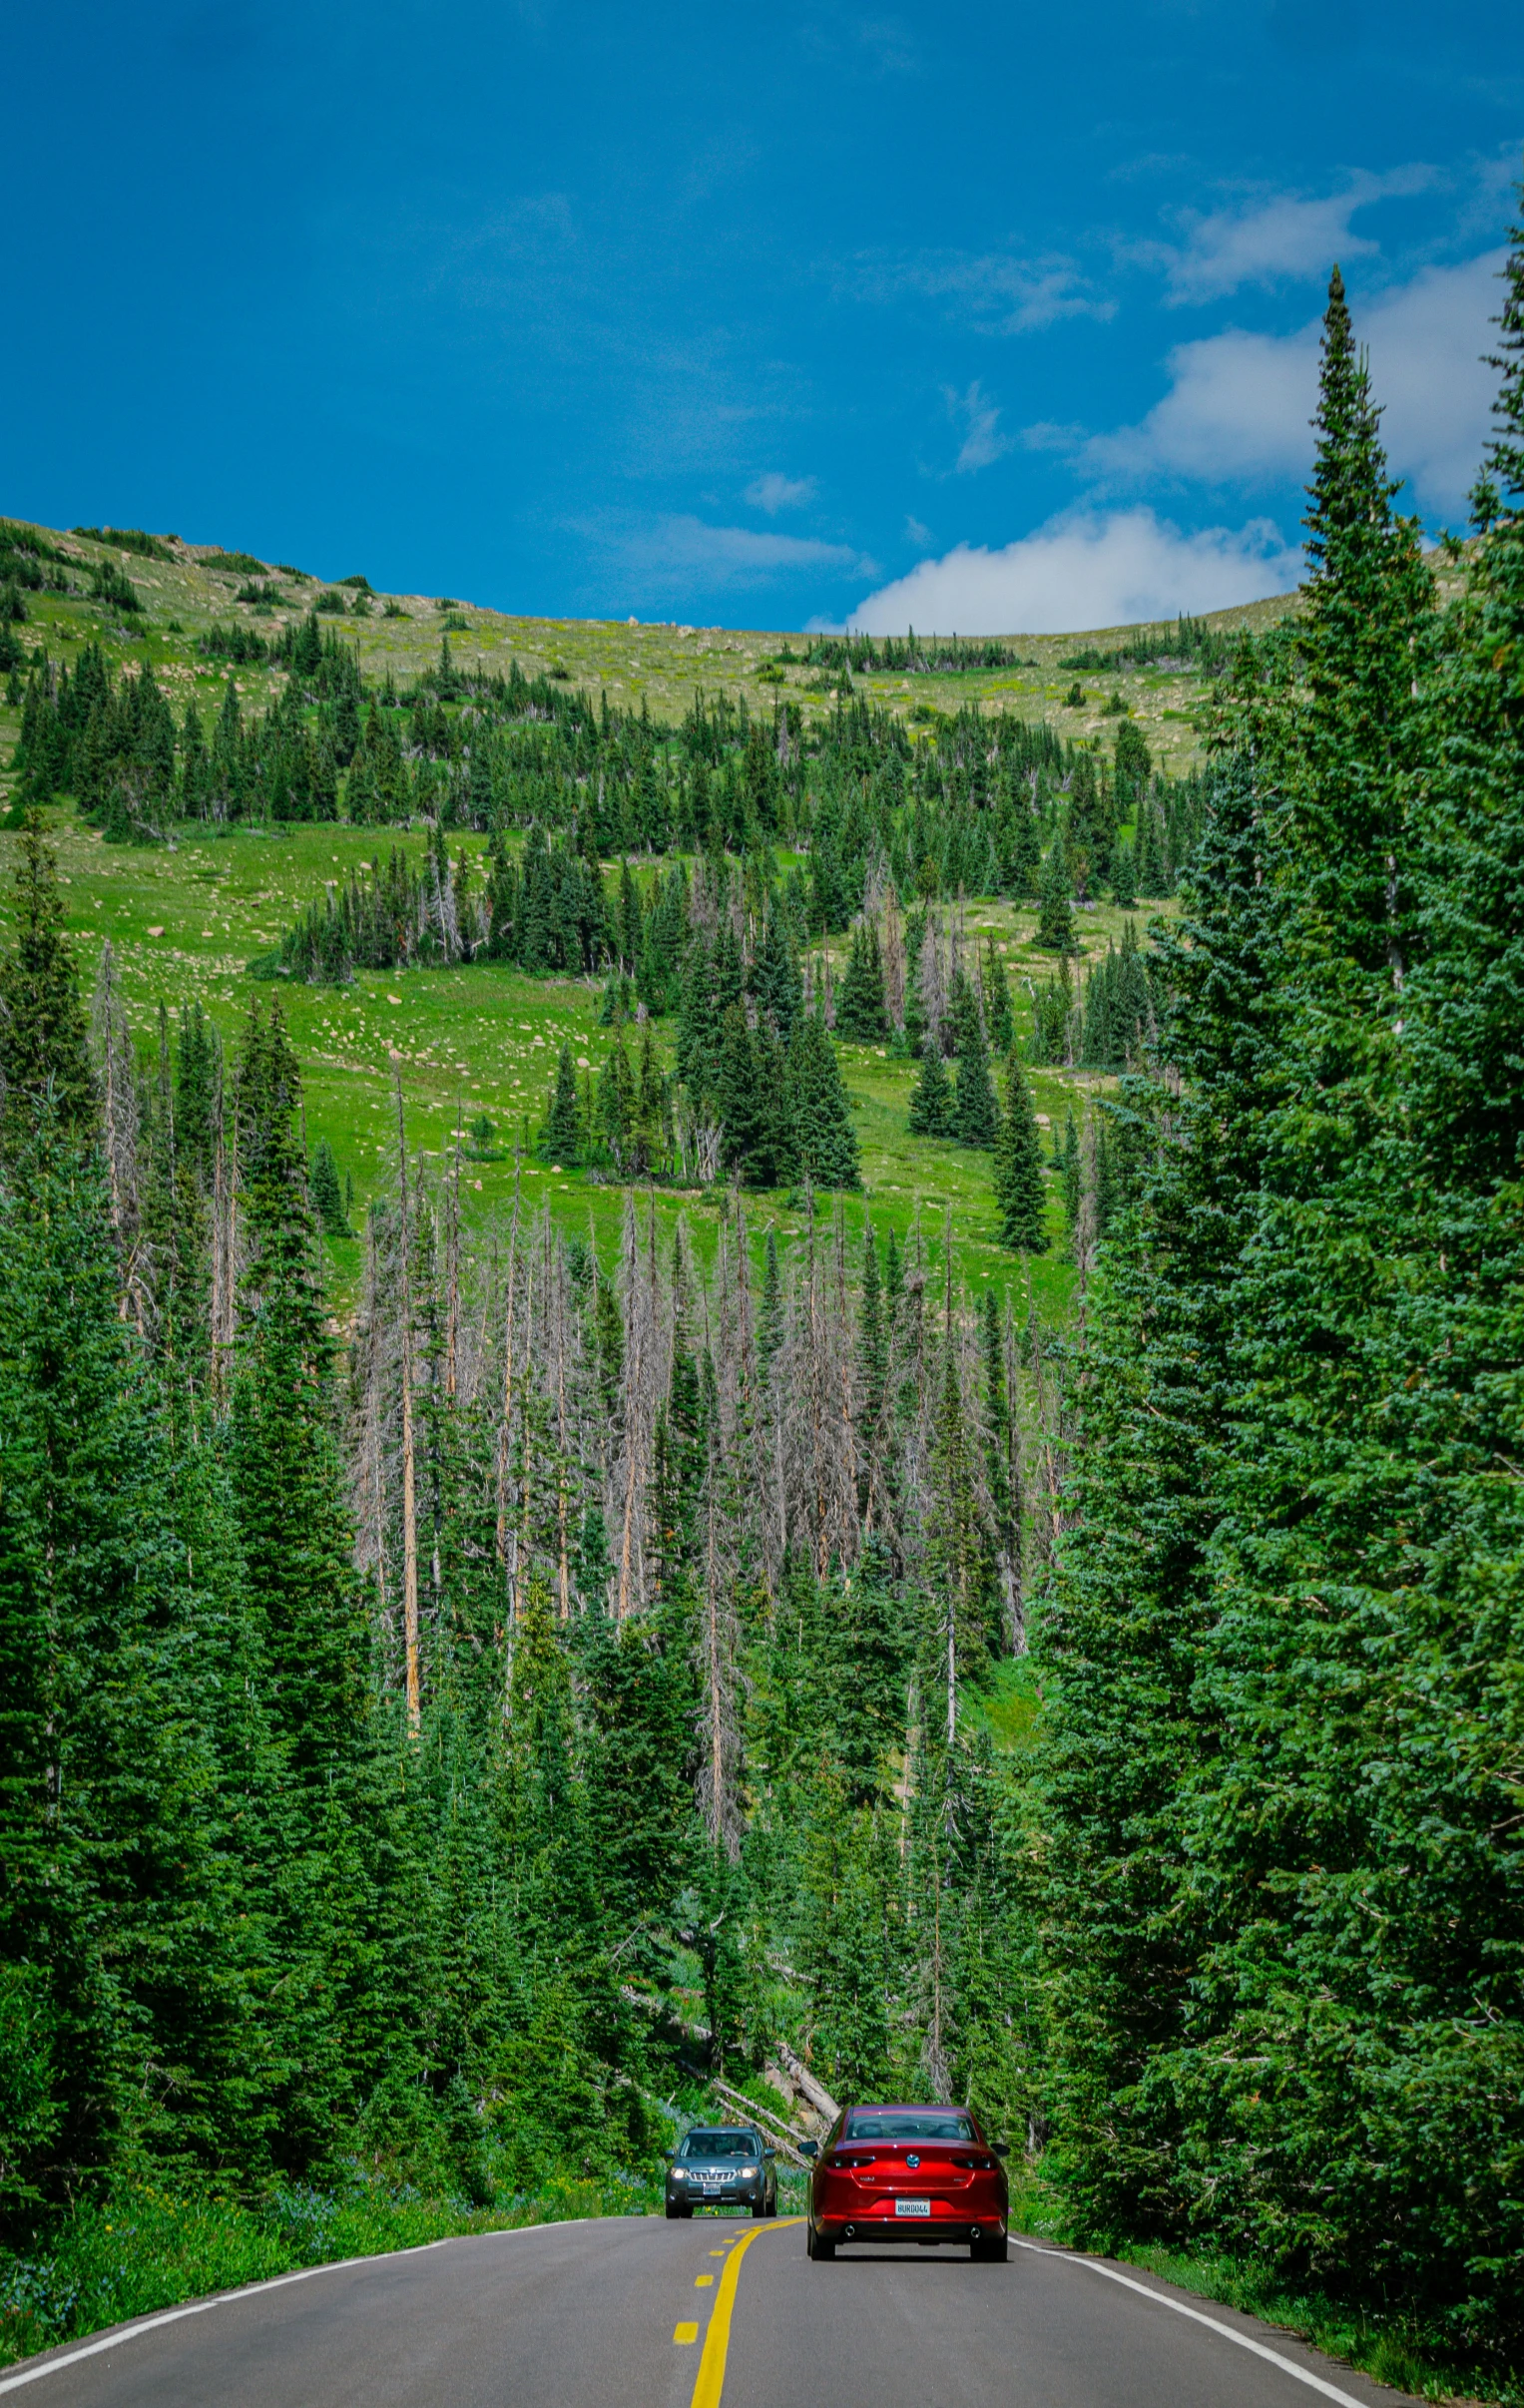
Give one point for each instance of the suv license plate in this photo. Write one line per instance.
(912, 2207)
(714, 2190)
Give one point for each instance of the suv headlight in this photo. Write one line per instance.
(748, 2169)
(678, 2173)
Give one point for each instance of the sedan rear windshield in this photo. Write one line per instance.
(908, 2124)
(719, 2145)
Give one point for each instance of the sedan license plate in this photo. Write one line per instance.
(912, 2207)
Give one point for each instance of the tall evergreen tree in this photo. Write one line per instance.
(1020, 1192)
(562, 1137)
(974, 1113)
(860, 1013)
(931, 1096)
(825, 1141)
(327, 1195)
(44, 1055)
(1055, 919)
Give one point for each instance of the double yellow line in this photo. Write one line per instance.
(709, 2381)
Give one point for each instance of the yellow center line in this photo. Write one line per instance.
(709, 2383)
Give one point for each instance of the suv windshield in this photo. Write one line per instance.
(719, 2144)
(909, 2123)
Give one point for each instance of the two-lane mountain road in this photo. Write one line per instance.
(636, 2312)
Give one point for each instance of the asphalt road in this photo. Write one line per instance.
(641, 2313)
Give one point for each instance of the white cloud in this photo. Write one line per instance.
(920, 536)
(1269, 239)
(1426, 346)
(1238, 408)
(983, 441)
(668, 553)
(774, 493)
(1084, 570)
(1238, 405)
(999, 292)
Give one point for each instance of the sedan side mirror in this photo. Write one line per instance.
(810, 2148)
(1002, 2148)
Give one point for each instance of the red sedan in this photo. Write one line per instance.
(900, 2174)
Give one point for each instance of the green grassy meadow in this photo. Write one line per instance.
(185, 920)
(183, 923)
(665, 662)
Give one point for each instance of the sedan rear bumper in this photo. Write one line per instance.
(904, 2229)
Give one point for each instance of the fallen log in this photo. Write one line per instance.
(800, 2076)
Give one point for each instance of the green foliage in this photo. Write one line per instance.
(561, 1138)
(327, 1195)
(860, 1013)
(1282, 1906)
(931, 1098)
(824, 1143)
(1055, 922)
(128, 539)
(45, 1074)
(110, 584)
(974, 1114)
(1020, 1192)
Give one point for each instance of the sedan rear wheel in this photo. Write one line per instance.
(991, 2252)
(816, 2244)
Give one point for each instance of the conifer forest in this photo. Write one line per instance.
(554, 1679)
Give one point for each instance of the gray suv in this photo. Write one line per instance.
(723, 2165)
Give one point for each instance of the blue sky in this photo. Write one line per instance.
(986, 319)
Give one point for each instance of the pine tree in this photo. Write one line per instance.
(327, 1195)
(617, 1102)
(287, 1473)
(747, 1113)
(825, 1142)
(1132, 770)
(931, 1096)
(974, 1116)
(650, 1103)
(1019, 1192)
(999, 1019)
(1055, 919)
(1089, 824)
(1123, 883)
(627, 922)
(770, 1318)
(1073, 1181)
(113, 1923)
(561, 1140)
(44, 1056)
(860, 1013)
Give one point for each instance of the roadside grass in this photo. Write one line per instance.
(1391, 2347)
(185, 922)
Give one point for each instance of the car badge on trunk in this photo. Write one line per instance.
(913, 2159)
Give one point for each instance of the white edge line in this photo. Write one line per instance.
(276, 2282)
(1288, 2366)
